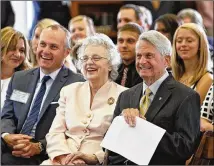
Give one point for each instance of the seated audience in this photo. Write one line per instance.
(189, 58)
(126, 41)
(161, 100)
(14, 52)
(86, 109)
(32, 99)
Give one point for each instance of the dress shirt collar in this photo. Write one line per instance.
(53, 75)
(154, 87)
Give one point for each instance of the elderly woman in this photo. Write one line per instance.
(86, 109)
(189, 58)
(14, 50)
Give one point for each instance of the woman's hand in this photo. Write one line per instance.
(80, 157)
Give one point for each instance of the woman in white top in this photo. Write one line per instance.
(86, 109)
(14, 50)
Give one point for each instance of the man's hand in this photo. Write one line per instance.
(83, 158)
(130, 115)
(26, 150)
(13, 139)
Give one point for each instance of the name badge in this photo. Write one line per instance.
(19, 96)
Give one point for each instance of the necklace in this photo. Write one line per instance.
(186, 80)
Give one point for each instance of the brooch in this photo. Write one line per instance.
(111, 100)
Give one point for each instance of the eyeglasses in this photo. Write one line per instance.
(94, 58)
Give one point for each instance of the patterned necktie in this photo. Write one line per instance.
(32, 118)
(123, 81)
(145, 101)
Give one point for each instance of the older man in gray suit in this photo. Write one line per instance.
(32, 98)
(162, 101)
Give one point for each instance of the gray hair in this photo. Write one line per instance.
(161, 43)
(67, 34)
(112, 53)
(194, 15)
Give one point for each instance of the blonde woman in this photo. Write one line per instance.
(189, 58)
(80, 27)
(14, 50)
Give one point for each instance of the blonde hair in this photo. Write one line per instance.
(44, 23)
(178, 68)
(9, 40)
(87, 19)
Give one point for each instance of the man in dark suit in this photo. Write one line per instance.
(32, 100)
(172, 105)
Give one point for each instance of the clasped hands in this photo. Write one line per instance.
(21, 145)
(75, 159)
(130, 115)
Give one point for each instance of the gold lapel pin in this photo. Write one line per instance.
(111, 100)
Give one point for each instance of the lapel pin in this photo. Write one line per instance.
(160, 98)
(111, 100)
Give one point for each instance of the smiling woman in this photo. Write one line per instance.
(81, 122)
(14, 50)
(190, 58)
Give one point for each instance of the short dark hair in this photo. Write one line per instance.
(136, 9)
(171, 23)
(133, 27)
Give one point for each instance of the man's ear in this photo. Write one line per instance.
(167, 61)
(67, 52)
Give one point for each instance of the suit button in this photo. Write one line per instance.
(85, 131)
(84, 122)
(89, 115)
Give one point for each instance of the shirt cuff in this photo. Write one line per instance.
(4, 134)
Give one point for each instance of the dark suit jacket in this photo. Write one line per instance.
(133, 77)
(7, 14)
(15, 113)
(176, 108)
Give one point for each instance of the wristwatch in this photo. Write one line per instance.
(41, 147)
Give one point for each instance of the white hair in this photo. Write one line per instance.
(161, 43)
(112, 53)
(147, 15)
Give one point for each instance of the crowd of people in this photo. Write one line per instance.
(61, 90)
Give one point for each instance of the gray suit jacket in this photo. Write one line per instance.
(176, 108)
(15, 113)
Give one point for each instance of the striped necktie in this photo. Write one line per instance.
(124, 78)
(32, 118)
(145, 101)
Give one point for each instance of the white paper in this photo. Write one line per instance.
(137, 143)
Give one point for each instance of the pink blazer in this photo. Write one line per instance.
(76, 127)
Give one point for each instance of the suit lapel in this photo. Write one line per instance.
(54, 89)
(30, 86)
(160, 99)
(135, 99)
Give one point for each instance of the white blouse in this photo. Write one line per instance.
(4, 86)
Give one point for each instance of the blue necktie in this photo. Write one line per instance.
(32, 118)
